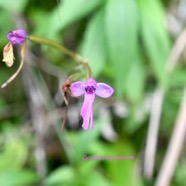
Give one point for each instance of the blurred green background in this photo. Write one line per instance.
(127, 44)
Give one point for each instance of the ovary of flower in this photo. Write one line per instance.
(90, 88)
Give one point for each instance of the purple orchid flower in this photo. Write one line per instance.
(16, 36)
(90, 88)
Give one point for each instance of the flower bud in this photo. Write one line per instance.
(16, 36)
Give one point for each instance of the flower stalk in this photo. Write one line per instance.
(58, 46)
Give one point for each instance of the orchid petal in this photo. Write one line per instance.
(90, 82)
(86, 111)
(77, 88)
(103, 90)
(91, 121)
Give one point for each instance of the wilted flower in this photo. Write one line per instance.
(90, 88)
(14, 37)
(8, 55)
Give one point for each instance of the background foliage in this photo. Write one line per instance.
(127, 44)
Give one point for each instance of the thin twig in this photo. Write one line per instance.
(175, 146)
(176, 52)
(156, 111)
(152, 134)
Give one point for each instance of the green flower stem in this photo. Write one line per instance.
(75, 76)
(58, 46)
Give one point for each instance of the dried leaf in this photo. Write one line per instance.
(66, 91)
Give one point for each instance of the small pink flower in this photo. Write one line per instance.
(90, 88)
(16, 36)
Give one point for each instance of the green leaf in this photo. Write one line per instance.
(83, 141)
(40, 20)
(86, 166)
(121, 26)
(68, 12)
(18, 177)
(17, 6)
(154, 36)
(5, 25)
(60, 176)
(180, 173)
(135, 81)
(178, 77)
(96, 178)
(122, 172)
(93, 46)
(13, 147)
(81, 144)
